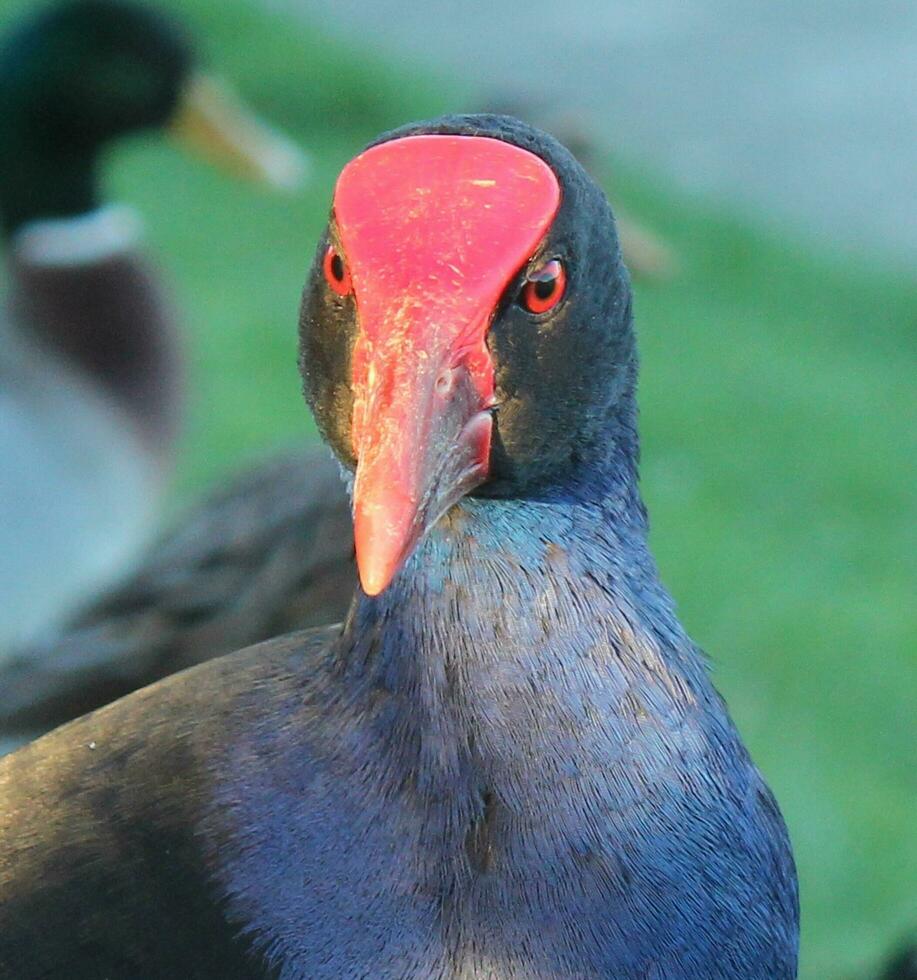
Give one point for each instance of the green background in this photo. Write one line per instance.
(778, 459)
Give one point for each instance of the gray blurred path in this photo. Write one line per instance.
(800, 109)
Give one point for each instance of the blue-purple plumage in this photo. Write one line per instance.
(511, 763)
(515, 762)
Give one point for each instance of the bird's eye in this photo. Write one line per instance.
(336, 273)
(544, 287)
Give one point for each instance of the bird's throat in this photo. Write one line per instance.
(504, 618)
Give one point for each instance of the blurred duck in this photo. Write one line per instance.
(902, 965)
(90, 366)
(268, 554)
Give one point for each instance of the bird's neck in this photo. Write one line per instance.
(44, 182)
(511, 617)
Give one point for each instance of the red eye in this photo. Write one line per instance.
(336, 272)
(544, 288)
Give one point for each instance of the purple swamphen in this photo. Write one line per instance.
(510, 760)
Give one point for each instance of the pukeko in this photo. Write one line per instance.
(90, 368)
(510, 760)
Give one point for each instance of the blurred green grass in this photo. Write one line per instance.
(779, 449)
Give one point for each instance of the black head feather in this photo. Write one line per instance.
(564, 379)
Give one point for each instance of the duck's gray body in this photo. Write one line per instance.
(88, 412)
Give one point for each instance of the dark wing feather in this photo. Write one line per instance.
(103, 871)
(271, 553)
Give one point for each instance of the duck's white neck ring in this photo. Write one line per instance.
(85, 239)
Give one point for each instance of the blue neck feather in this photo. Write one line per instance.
(517, 609)
(513, 763)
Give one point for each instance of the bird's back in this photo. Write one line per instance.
(260, 812)
(103, 871)
(269, 553)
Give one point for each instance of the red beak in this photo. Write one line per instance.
(433, 229)
(421, 434)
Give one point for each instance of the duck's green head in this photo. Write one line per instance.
(81, 74)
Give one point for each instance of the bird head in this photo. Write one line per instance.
(466, 326)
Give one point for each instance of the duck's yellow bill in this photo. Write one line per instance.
(213, 122)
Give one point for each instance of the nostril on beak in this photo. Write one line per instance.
(444, 383)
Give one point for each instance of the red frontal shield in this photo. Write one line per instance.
(433, 229)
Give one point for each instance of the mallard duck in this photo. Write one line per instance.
(90, 366)
(510, 759)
